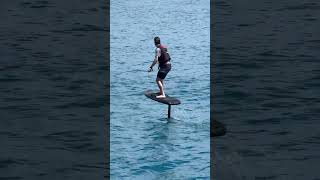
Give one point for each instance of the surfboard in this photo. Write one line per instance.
(167, 100)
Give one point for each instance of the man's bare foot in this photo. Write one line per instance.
(161, 96)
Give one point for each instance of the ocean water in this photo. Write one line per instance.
(267, 89)
(144, 144)
(52, 90)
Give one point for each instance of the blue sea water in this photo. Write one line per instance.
(144, 144)
(267, 89)
(52, 89)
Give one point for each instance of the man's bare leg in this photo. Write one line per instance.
(160, 85)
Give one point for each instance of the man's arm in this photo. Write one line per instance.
(155, 59)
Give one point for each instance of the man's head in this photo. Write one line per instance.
(157, 41)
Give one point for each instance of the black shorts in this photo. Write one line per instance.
(163, 71)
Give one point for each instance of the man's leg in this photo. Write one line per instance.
(160, 85)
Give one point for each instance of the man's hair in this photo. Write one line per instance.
(156, 40)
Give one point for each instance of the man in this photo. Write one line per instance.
(163, 58)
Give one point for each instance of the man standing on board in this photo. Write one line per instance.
(162, 56)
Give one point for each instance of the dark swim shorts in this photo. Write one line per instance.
(163, 71)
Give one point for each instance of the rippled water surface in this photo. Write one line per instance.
(144, 143)
(52, 75)
(267, 89)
